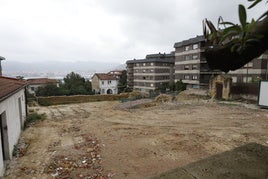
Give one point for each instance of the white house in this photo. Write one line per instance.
(103, 83)
(35, 83)
(12, 116)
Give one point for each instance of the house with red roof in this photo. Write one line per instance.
(35, 83)
(12, 116)
(103, 83)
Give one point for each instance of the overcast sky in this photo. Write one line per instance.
(104, 30)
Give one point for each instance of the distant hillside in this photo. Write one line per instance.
(14, 68)
(57, 66)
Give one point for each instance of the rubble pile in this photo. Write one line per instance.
(163, 98)
(133, 104)
(83, 161)
(21, 148)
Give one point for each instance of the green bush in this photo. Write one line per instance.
(32, 118)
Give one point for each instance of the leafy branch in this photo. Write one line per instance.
(236, 36)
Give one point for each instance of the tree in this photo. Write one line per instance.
(122, 84)
(235, 45)
(180, 86)
(74, 84)
(48, 90)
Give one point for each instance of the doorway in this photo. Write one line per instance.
(4, 136)
(219, 87)
(109, 91)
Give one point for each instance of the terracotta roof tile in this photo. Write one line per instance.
(40, 81)
(9, 85)
(104, 76)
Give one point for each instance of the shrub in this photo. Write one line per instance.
(32, 118)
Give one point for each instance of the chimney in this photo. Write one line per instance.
(1, 58)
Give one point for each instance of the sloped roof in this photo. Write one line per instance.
(8, 86)
(105, 76)
(161, 58)
(196, 39)
(37, 81)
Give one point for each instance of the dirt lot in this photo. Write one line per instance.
(99, 140)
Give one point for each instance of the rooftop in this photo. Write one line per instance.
(9, 86)
(159, 57)
(196, 39)
(36, 81)
(104, 76)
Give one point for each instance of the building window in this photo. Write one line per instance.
(102, 82)
(195, 86)
(186, 48)
(152, 64)
(195, 56)
(186, 57)
(195, 46)
(247, 79)
(32, 88)
(194, 77)
(234, 79)
(109, 82)
(194, 67)
(143, 71)
(152, 85)
(186, 77)
(186, 67)
(152, 70)
(144, 64)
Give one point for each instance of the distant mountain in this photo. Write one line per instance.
(15, 68)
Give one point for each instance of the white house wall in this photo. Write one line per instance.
(11, 108)
(104, 86)
(29, 88)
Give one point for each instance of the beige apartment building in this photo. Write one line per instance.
(150, 73)
(253, 71)
(191, 66)
(190, 63)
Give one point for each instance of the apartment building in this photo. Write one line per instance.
(253, 71)
(190, 63)
(150, 73)
(191, 66)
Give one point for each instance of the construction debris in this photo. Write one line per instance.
(85, 162)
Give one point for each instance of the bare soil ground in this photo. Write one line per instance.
(100, 140)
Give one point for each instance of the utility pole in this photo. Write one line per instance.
(1, 58)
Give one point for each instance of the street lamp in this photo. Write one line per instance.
(1, 58)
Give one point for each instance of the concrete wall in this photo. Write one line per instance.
(14, 121)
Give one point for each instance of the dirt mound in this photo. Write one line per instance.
(192, 94)
(162, 98)
(134, 104)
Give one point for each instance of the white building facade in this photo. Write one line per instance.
(12, 116)
(104, 84)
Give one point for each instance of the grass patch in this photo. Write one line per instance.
(32, 118)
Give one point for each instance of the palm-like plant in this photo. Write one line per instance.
(236, 44)
(239, 36)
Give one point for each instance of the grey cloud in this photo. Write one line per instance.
(146, 26)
